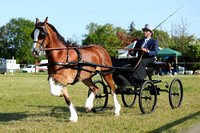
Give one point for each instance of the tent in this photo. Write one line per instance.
(167, 52)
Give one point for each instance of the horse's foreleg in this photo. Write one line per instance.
(73, 114)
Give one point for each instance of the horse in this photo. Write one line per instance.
(165, 65)
(46, 36)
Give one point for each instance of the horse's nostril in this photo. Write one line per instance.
(36, 53)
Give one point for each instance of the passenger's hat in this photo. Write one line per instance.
(148, 27)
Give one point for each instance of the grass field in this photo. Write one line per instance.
(27, 106)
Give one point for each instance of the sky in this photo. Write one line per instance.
(70, 17)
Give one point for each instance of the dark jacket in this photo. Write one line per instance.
(151, 45)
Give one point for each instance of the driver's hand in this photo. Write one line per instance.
(145, 50)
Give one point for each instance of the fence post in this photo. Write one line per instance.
(35, 66)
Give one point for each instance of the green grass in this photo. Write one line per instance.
(27, 106)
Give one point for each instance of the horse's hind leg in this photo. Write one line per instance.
(109, 80)
(89, 102)
(158, 72)
(170, 71)
(73, 114)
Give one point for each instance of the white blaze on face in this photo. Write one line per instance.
(36, 34)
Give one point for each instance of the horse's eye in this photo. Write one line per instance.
(41, 35)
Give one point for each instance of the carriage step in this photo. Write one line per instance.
(156, 81)
(124, 91)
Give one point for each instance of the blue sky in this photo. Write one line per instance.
(71, 17)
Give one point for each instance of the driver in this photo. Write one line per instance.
(149, 49)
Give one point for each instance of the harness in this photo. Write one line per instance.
(80, 65)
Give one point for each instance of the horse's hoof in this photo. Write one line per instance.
(71, 121)
(115, 114)
(88, 110)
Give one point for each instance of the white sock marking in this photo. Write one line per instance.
(89, 101)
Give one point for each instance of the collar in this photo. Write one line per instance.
(147, 39)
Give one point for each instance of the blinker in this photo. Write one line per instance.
(41, 35)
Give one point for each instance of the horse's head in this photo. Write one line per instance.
(39, 35)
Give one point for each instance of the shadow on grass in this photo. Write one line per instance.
(6, 117)
(65, 108)
(56, 111)
(57, 108)
(174, 123)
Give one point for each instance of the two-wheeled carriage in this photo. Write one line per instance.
(129, 89)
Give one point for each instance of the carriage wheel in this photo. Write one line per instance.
(101, 98)
(147, 97)
(175, 93)
(129, 99)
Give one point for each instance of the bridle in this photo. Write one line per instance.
(43, 35)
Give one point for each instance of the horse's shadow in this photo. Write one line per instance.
(55, 111)
(6, 117)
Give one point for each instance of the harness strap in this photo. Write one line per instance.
(79, 66)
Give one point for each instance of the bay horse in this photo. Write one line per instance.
(165, 65)
(46, 36)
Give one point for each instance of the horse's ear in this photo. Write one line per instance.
(37, 21)
(45, 22)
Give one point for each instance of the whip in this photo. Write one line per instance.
(168, 17)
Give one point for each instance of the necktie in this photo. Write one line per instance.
(145, 41)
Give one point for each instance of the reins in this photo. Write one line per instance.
(61, 48)
(85, 62)
(138, 61)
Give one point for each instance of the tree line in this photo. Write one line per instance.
(15, 39)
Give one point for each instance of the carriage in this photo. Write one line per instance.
(146, 90)
(68, 65)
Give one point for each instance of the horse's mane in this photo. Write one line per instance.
(61, 38)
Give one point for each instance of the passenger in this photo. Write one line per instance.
(149, 49)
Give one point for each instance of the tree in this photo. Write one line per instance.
(162, 37)
(15, 40)
(181, 40)
(187, 44)
(103, 35)
(126, 39)
(133, 32)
